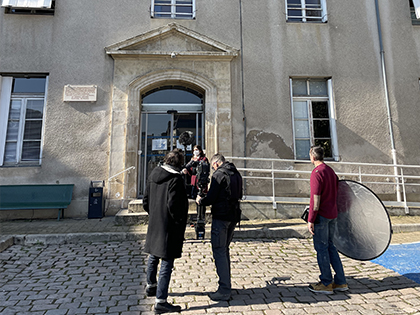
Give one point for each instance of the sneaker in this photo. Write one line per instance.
(161, 308)
(217, 296)
(321, 288)
(340, 287)
(151, 291)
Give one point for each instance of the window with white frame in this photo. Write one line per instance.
(415, 11)
(22, 102)
(313, 117)
(173, 9)
(29, 6)
(306, 11)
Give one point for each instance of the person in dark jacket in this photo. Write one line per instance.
(166, 202)
(190, 169)
(224, 195)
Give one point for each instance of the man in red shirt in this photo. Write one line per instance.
(322, 222)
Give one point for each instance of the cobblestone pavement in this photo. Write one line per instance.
(269, 277)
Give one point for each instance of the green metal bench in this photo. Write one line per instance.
(34, 197)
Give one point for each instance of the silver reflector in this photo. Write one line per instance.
(363, 225)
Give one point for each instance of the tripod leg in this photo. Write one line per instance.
(201, 222)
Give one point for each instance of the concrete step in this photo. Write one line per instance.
(127, 218)
(136, 206)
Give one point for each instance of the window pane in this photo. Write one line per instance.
(12, 130)
(313, 3)
(163, 9)
(300, 110)
(321, 129)
(302, 129)
(295, 15)
(34, 109)
(14, 112)
(302, 149)
(31, 151)
(184, 10)
(162, 1)
(320, 109)
(28, 85)
(326, 144)
(295, 2)
(184, 2)
(33, 130)
(299, 87)
(318, 87)
(172, 96)
(10, 152)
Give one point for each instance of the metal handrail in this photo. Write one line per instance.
(124, 184)
(400, 179)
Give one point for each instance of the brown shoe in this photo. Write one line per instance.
(340, 287)
(321, 288)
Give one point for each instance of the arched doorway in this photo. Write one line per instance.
(167, 112)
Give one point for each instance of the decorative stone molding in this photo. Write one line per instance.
(144, 62)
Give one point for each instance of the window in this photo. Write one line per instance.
(173, 9)
(415, 12)
(45, 7)
(21, 120)
(313, 117)
(306, 10)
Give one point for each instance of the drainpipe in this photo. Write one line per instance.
(388, 107)
(242, 87)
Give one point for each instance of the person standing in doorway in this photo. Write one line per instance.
(190, 169)
(224, 195)
(322, 222)
(166, 202)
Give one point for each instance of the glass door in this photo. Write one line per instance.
(160, 134)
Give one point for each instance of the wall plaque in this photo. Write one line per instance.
(80, 93)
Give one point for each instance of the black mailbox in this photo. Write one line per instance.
(96, 199)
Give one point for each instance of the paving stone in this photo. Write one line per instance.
(269, 277)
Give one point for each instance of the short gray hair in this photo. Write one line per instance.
(317, 152)
(217, 158)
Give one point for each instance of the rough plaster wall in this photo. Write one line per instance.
(267, 145)
(402, 54)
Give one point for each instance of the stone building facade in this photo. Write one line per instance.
(99, 87)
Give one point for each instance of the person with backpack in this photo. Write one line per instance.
(224, 194)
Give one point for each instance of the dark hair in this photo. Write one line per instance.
(317, 152)
(199, 148)
(174, 158)
(217, 158)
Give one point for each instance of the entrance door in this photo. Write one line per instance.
(161, 125)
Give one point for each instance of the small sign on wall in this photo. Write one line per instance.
(80, 93)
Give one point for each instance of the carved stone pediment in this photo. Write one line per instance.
(171, 40)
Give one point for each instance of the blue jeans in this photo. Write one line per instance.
(326, 252)
(221, 236)
(164, 276)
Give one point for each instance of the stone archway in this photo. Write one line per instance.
(139, 65)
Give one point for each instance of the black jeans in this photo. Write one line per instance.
(221, 236)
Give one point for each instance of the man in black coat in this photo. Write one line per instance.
(166, 202)
(224, 195)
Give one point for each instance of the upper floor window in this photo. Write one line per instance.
(313, 117)
(306, 10)
(22, 103)
(173, 9)
(29, 6)
(415, 11)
